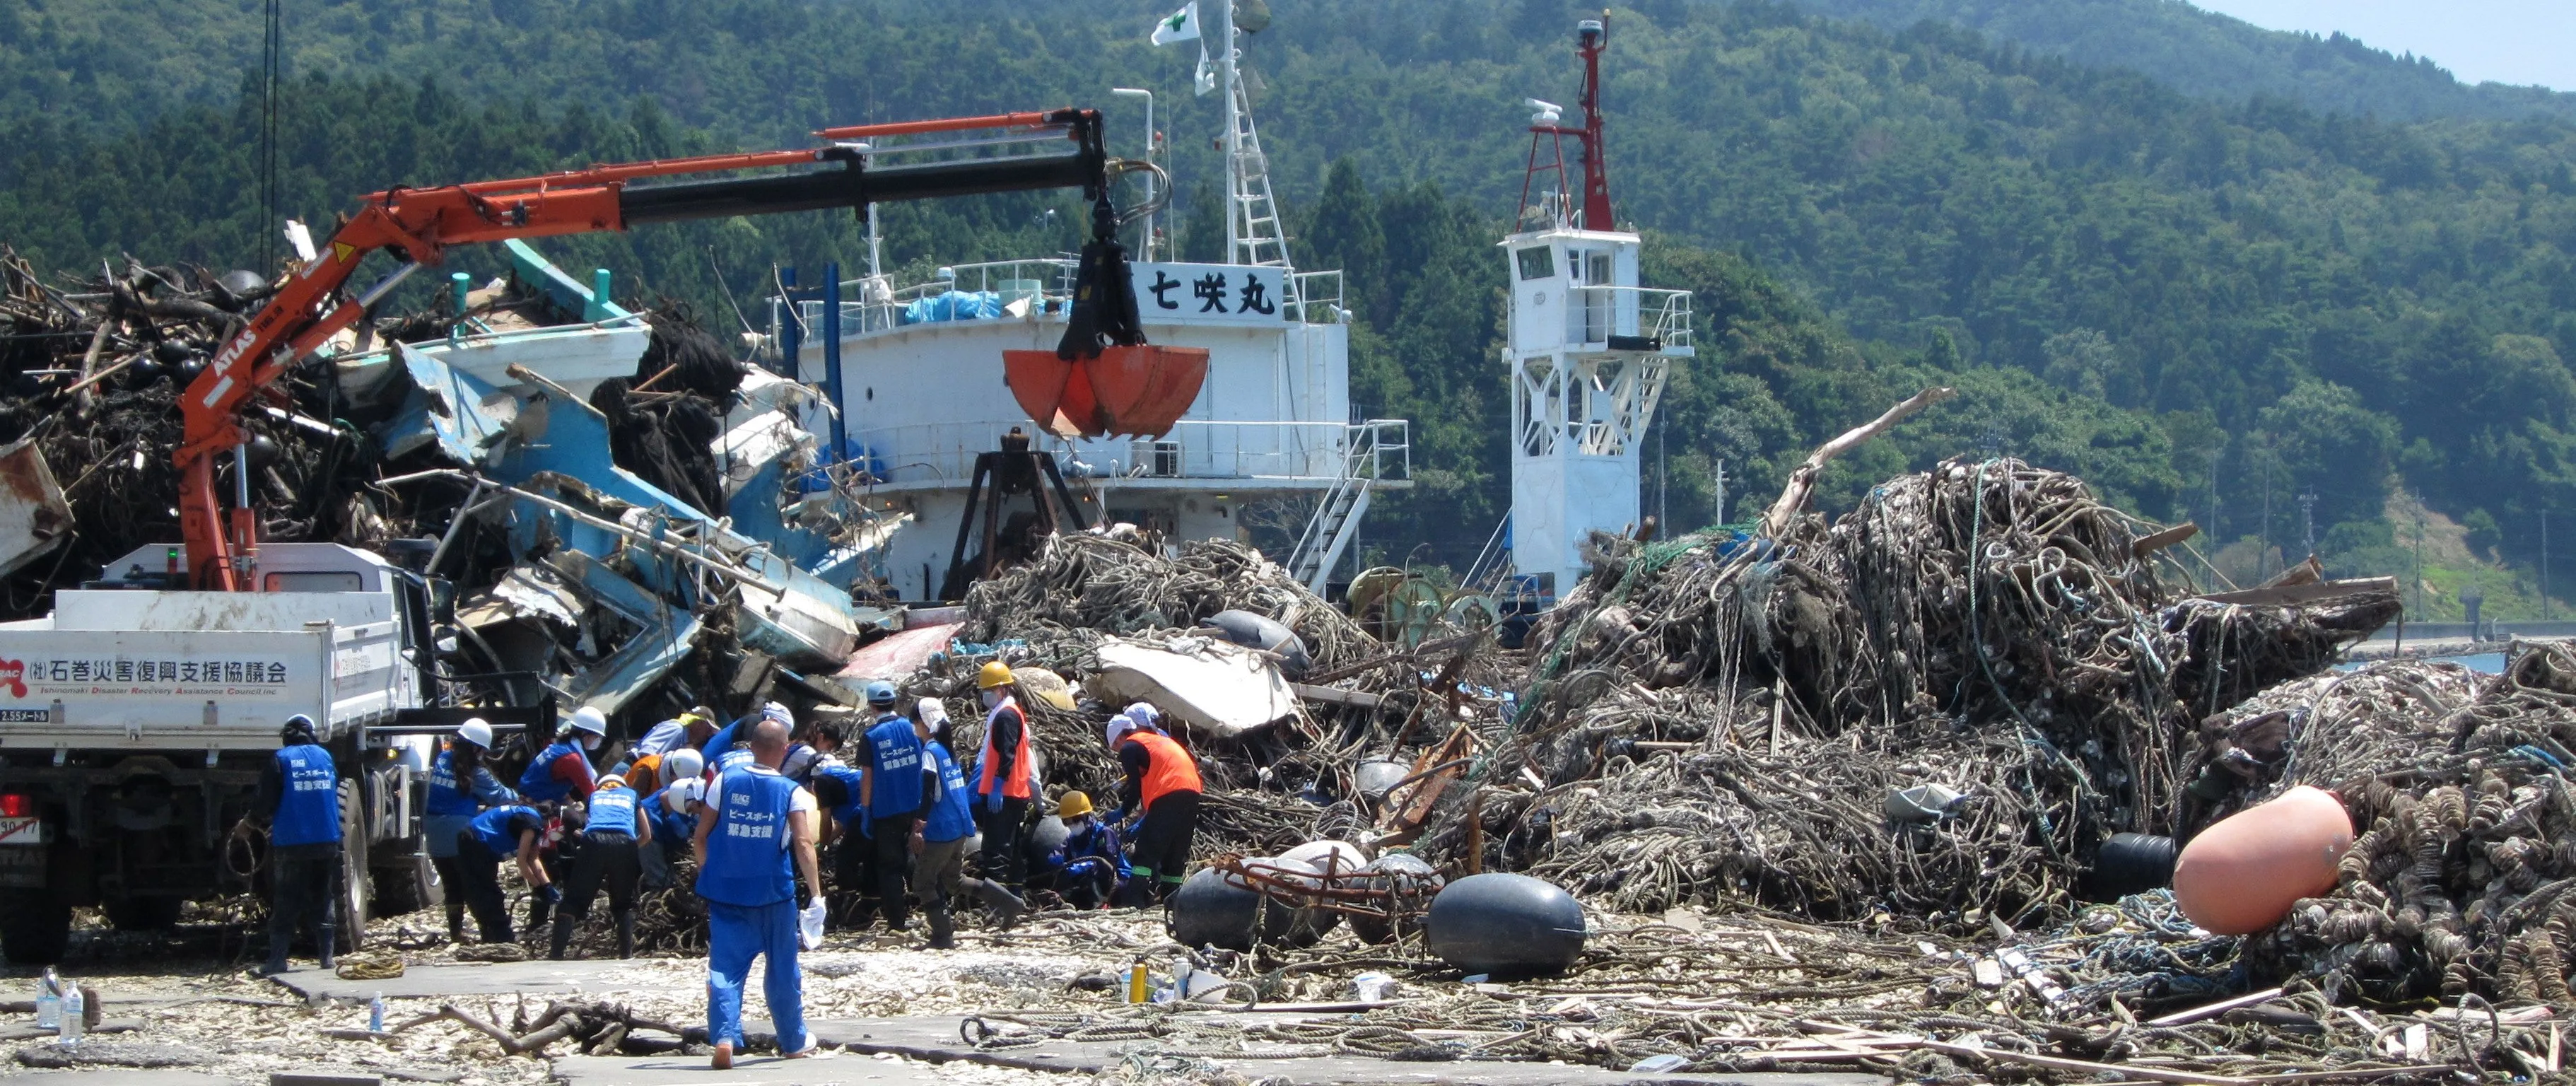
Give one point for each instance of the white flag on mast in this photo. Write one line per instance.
(1206, 78)
(1182, 25)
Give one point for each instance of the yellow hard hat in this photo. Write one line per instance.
(994, 674)
(1072, 804)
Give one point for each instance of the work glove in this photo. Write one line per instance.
(809, 925)
(549, 894)
(992, 801)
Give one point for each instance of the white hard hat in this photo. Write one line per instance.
(477, 732)
(683, 793)
(684, 763)
(590, 720)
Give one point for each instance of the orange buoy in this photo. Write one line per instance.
(2243, 874)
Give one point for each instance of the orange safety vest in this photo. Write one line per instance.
(1168, 768)
(645, 775)
(1023, 774)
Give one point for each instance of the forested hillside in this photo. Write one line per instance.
(2218, 56)
(2193, 301)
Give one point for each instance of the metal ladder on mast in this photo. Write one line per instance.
(1259, 239)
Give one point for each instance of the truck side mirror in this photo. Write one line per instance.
(442, 601)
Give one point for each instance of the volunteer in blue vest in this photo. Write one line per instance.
(1005, 778)
(614, 834)
(1089, 866)
(460, 787)
(730, 747)
(897, 789)
(939, 872)
(1162, 781)
(837, 792)
(673, 811)
(755, 835)
(299, 802)
(563, 771)
(502, 832)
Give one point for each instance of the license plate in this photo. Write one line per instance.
(22, 831)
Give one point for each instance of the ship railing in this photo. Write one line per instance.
(1011, 280)
(1216, 451)
(1629, 314)
(1319, 298)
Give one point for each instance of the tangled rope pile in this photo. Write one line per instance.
(1083, 586)
(2462, 880)
(1723, 715)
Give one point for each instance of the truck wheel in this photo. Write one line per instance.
(142, 913)
(408, 887)
(35, 927)
(352, 930)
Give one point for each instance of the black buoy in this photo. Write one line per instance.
(1261, 632)
(237, 289)
(1505, 925)
(1043, 837)
(1209, 911)
(1407, 877)
(2133, 863)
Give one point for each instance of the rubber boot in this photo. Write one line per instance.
(1000, 899)
(328, 939)
(625, 932)
(943, 927)
(455, 921)
(563, 936)
(276, 962)
(538, 913)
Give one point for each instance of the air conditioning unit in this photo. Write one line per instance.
(1157, 459)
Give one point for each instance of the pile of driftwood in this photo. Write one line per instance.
(1938, 706)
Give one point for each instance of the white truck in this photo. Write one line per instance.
(135, 721)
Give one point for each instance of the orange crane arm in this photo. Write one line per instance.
(417, 226)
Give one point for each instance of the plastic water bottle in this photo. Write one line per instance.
(68, 1034)
(376, 1014)
(49, 1001)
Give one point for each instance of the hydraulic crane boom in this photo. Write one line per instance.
(417, 226)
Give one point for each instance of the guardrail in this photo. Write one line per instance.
(944, 452)
(1594, 314)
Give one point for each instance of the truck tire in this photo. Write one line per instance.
(35, 927)
(142, 912)
(354, 883)
(408, 887)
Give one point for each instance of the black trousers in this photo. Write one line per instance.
(1163, 841)
(893, 841)
(1005, 857)
(303, 892)
(609, 861)
(478, 872)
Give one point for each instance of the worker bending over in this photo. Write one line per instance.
(510, 831)
(613, 836)
(1088, 866)
(672, 810)
(460, 787)
(1005, 778)
(755, 835)
(562, 771)
(299, 801)
(897, 788)
(1162, 781)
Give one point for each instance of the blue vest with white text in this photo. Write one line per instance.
(953, 816)
(538, 782)
(308, 807)
(492, 828)
(748, 863)
(447, 795)
(612, 810)
(897, 790)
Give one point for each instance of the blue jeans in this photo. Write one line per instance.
(735, 935)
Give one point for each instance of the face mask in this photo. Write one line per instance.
(991, 699)
(590, 742)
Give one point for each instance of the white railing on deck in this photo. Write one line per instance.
(1594, 314)
(944, 452)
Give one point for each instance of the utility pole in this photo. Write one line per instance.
(2544, 563)
(2308, 518)
(2263, 558)
(2215, 544)
(2419, 558)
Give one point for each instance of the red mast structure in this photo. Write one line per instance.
(1591, 36)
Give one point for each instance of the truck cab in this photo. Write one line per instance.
(135, 721)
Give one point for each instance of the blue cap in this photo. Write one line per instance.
(881, 693)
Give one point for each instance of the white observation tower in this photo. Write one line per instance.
(1589, 348)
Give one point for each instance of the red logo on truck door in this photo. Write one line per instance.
(13, 677)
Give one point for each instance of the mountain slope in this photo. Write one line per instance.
(2219, 56)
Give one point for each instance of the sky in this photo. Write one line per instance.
(2502, 41)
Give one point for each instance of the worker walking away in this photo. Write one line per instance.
(614, 836)
(897, 789)
(501, 833)
(939, 872)
(1005, 778)
(1088, 867)
(1162, 781)
(461, 785)
(562, 771)
(299, 803)
(755, 835)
